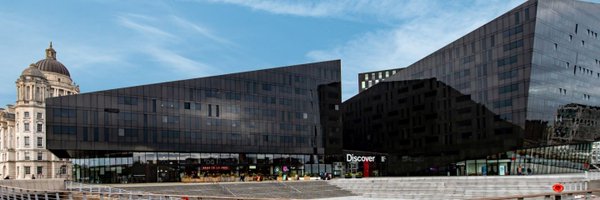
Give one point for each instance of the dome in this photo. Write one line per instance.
(32, 70)
(50, 64)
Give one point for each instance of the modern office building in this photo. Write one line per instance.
(280, 120)
(23, 153)
(368, 79)
(515, 96)
(503, 93)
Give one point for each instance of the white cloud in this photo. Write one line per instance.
(384, 10)
(146, 30)
(183, 23)
(181, 64)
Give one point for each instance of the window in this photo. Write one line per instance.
(508, 74)
(26, 140)
(67, 113)
(26, 154)
(127, 100)
(513, 31)
(40, 142)
(210, 110)
(26, 126)
(198, 106)
(516, 44)
(26, 114)
(153, 105)
(508, 88)
(63, 170)
(562, 91)
(507, 61)
(27, 170)
(187, 105)
(40, 156)
(503, 103)
(266, 87)
(217, 110)
(40, 127)
(39, 170)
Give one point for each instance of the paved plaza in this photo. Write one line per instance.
(271, 190)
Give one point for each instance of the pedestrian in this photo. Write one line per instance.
(32, 176)
(529, 171)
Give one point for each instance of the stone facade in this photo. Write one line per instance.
(23, 153)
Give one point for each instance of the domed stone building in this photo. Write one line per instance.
(23, 153)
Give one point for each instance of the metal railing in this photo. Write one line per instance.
(99, 193)
(91, 188)
(585, 194)
(13, 193)
(592, 175)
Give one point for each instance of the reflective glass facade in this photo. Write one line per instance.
(140, 167)
(285, 112)
(524, 80)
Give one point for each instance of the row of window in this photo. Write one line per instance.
(26, 156)
(39, 127)
(26, 141)
(507, 61)
(39, 171)
(171, 136)
(380, 74)
(513, 45)
(26, 115)
(508, 74)
(508, 88)
(503, 103)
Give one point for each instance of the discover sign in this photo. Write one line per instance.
(353, 158)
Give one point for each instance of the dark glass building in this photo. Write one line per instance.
(497, 94)
(261, 122)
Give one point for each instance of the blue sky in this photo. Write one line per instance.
(111, 44)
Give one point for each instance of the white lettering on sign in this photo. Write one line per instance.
(382, 158)
(353, 158)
